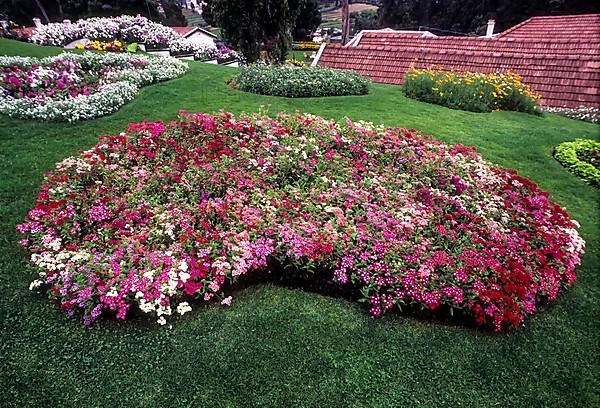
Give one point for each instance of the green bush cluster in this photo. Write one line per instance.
(581, 157)
(299, 82)
(471, 91)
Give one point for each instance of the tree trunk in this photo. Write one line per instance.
(43, 10)
(60, 10)
(345, 22)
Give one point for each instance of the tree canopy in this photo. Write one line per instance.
(470, 16)
(22, 11)
(255, 26)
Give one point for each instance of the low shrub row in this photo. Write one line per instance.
(581, 157)
(299, 82)
(471, 91)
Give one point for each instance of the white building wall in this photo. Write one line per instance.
(202, 39)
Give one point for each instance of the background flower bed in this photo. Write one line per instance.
(112, 46)
(471, 91)
(221, 53)
(587, 114)
(73, 87)
(128, 29)
(299, 82)
(165, 213)
(581, 157)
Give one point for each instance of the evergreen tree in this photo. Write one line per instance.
(308, 19)
(255, 26)
(470, 16)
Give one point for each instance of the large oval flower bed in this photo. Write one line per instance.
(73, 87)
(165, 213)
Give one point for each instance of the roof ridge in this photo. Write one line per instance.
(531, 19)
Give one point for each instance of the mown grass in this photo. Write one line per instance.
(284, 347)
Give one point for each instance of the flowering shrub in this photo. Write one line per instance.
(72, 87)
(113, 46)
(124, 28)
(165, 213)
(581, 157)
(296, 63)
(299, 82)
(587, 114)
(306, 46)
(472, 91)
(221, 53)
(182, 46)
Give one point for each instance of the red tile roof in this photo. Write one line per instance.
(366, 37)
(565, 71)
(579, 27)
(184, 31)
(187, 31)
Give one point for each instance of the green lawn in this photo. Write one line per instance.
(299, 55)
(283, 347)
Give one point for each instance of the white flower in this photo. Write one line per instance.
(35, 284)
(162, 321)
(184, 276)
(183, 308)
(119, 86)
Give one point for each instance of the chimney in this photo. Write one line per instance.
(490, 28)
(37, 22)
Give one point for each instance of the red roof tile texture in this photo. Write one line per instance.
(566, 72)
(183, 31)
(575, 27)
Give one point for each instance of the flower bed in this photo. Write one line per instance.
(128, 29)
(471, 91)
(165, 213)
(112, 46)
(587, 114)
(581, 157)
(306, 46)
(222, 54)
(299, 82)
(73, 87)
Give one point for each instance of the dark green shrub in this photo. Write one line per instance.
(582, 158)
(299, 82)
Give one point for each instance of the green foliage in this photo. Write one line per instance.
(471, 91)
(22, 11)
(133, 47)
(252, 26)
(299, 82)
(364, 20)
(470, 16)
(281, 347)
(308, 20)
(582, 158)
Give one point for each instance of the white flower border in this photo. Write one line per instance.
(121, 87)
(585, 113)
